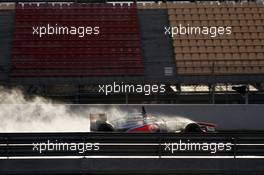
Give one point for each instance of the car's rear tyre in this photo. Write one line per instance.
(105, 127)
(193, 128)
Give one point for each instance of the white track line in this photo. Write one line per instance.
(132, 157)
(130, 144)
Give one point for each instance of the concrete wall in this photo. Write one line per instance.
(157, 48)
(6, 31)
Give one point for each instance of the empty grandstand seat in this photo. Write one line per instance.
(7, 6)
(242, 52)
(115, 51)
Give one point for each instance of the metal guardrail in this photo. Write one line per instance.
(242, 144)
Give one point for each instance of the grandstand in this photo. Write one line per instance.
(114, 52)
(133, 48)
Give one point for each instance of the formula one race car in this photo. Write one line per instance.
(145, 123)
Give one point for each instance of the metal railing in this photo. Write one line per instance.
(149, 145)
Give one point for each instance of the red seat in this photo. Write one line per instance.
(116, 51)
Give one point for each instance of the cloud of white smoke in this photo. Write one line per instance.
(176, 123)
(18, 114)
